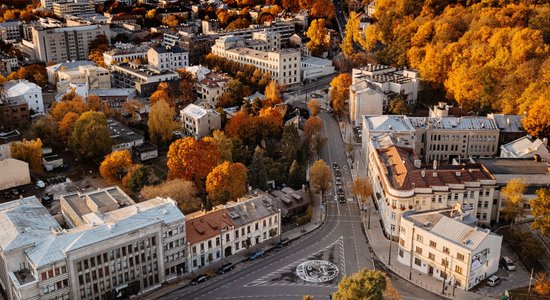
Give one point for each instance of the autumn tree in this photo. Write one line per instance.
(91, 138)
(290, 142)
(184, 192)
(339, 92)
(66, 125)
(259, 169)
(115, 166)
(46, 129)
(541, 211)
(224, 144)
(233, 94)
(537, 121)
(96, 49)
(171, 21)
(317, 34)
(136, 178)
(398, 106)
(243, 126)
(308, 297)
(192, 159)
(226, 182)
(95, 103)
(269, 122)
(161, 122)
(161, 93)
(186, 86)
(28, 151)
(272, 94)
(542, 284)
(133, 107)
(366, 284)
(320, 177)
(313, 126)
(296, 175)
(513, 199)
(75, 105)
(314, 107)
(361, 188)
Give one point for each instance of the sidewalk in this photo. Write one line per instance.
(239, 258)
(380, 245)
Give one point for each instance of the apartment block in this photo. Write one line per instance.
(141, 77)
(11, 32)
(93, 77)
(60, 44)
(112, 247)
(199, 121)
(65, 66)
(15, 113)
(125, 53)
(283, 65)
(212, 87)
(447, 245)
(17, 91)
(230, 229)
(73, 8)
(167, 58)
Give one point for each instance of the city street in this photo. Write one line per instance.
(335, 249)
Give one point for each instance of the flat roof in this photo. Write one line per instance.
(122, 134)
(500, 165)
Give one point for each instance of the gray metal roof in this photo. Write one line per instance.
(251, 210)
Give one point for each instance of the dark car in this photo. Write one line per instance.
(256, 255)
(283, 243)
(338, 173)
(47, 200)
(335, 165)
(199, 279)
(340, 191)
(226, 268)
(7, 194)
(342, 199)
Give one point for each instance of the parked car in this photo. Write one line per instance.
(342, 199)
(340, 191)
(338, 181)
(256, 255)
(47, 200)
(40, 184)
(493, 280)
(14, 192)
(338, 173)
(226, 268)
(507, 263)
(335, 165)
(199, 279)
(283, 243)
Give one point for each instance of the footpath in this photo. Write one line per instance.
(239, 259)
(385, 250)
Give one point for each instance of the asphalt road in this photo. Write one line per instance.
(339, 241)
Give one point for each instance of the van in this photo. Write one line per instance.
(493, 280)
(507, 264)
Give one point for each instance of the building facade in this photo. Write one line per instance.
(125, 53)
(198, 121)
(73, 8)
(212, 87)
(167, 58)
(11, 32)
(13, 173)
(29, 92)
(141, 77)
(92, 76)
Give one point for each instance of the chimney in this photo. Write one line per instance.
(423, 173)
(435, 164)
(417, 163)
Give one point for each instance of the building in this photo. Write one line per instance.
(141, 77)
(85, 19)
(290, 202)
(60, 44)
(51, 162)
(167, 58)
(196, 45)
(526, 147)
(114, 97)
(11, 32)
(371, 9)
(442, 109)
(510, 127)
(48, 4)
(199, 121)
(73, 8)
(402, 183)
(65, 66)
(145, 151)
(93, 77)
(212, 87)
(365, 100)
(123, 137)
(8, 64)
(13, 173)
(199, 71)
(6, 138)
(315, 67)
(14, 112)
(447, 245)
(119, 246)
(283, 65)
(390, 81)
(229, 229)
(27, 91)
(125, 53)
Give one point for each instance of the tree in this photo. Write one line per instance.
(238, 24)
(317, 34)
(186, 86)
(259, 169)
(313, 126)
(132, 107)
(91, 138)
(339, 92)
(115, 166)
(295, 175)
(243, 126)
(171, 21)
(161, 94)
(272, 94)
(226, 182)
(75, 105)
(136, 178)
(270, 122)
(320, 177)
(308, 297)
(95, 103)
(224, 144)
(28, 151)
(364, 285)
(537, 121)
(161, 122)
(184, 192)
(96, 49)
(398, 106)
(290, 142)
(46, 129)
(541, 211)
(316, 142)
(361, 188)
(192, 159)
(66, 125)
(314, 106)
(513, 199)
(233, 94)
(542, 284)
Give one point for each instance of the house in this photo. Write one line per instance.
(212, 87)
(51, 162)
(526, 147)
(13, 173)
(199, 121)
(122, 136)
(167, 58)
(291, 202)
(446, 244)
(145, 151)
(28, 91)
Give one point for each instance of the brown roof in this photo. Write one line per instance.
(200, 226)
(211, 79)
(398, 163)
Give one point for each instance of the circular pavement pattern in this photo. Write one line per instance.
(317, 271)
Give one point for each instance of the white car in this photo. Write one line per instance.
(40, 184)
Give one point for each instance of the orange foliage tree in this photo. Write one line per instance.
(272, 94)
(161, 94)
(270, 122)
(313, 126)
(226, 182)
(28, 151)
(115, 166)
(537, 121)
(339, 92)
(242, 126)
(192, 159)
(66, 125)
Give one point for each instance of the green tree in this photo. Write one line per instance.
(91, 138)
(259, 169)
(290, 142)
(295, 176)
(136, 178)
(541, 211)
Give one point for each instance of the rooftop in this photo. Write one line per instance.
(508, 123)
(121, 134)
(454, 123)
(215, 79)
(389, 123)
(194, 111)
(15, 88)
(525, 146)
(201, 226)
(108, 198)
(145, 147)
(513, 166)
(70, 65)
(142, 70)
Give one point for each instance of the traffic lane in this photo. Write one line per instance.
(277, 292)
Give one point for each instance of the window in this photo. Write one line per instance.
(401, 242)
(445, 262)
(433, 244)
(460, 256)
(431, 256)
(418, 250)
(417, 261)
(446, 250)
(458, 269)
(419, 238)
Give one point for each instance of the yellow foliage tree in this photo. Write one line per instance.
(272, 94)
(226, 182)
(339, 92)
(542, 284)
(224, 144)
(161, 122)
(192, 159)
(115, 166)
(317, 34)
(28, 151)
(184, 192)
(513, 199)
(320, 177)
(537, 121)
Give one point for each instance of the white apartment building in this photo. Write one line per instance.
(65, 43)
(117, 246)
(65, 66)
(11, 32)
(73, 8)
(446, 244)
(283, 65)
(212, 87)
(125, 53)
(198, 121)
(167, 58)
(402, 183)
(141, 77)
(29, 91)
(229, 229)
(314, 67)
(93, 76)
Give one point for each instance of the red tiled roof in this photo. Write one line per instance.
(200, 227)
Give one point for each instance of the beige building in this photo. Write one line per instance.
(365, 100)
(447, 245)
(92, 76)
(199, 121)
(167, 58)
(74, 8)
(212, 87)
(283, 65)
(60, 44)
(119, 246)
(125, 53)
(13, 173)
